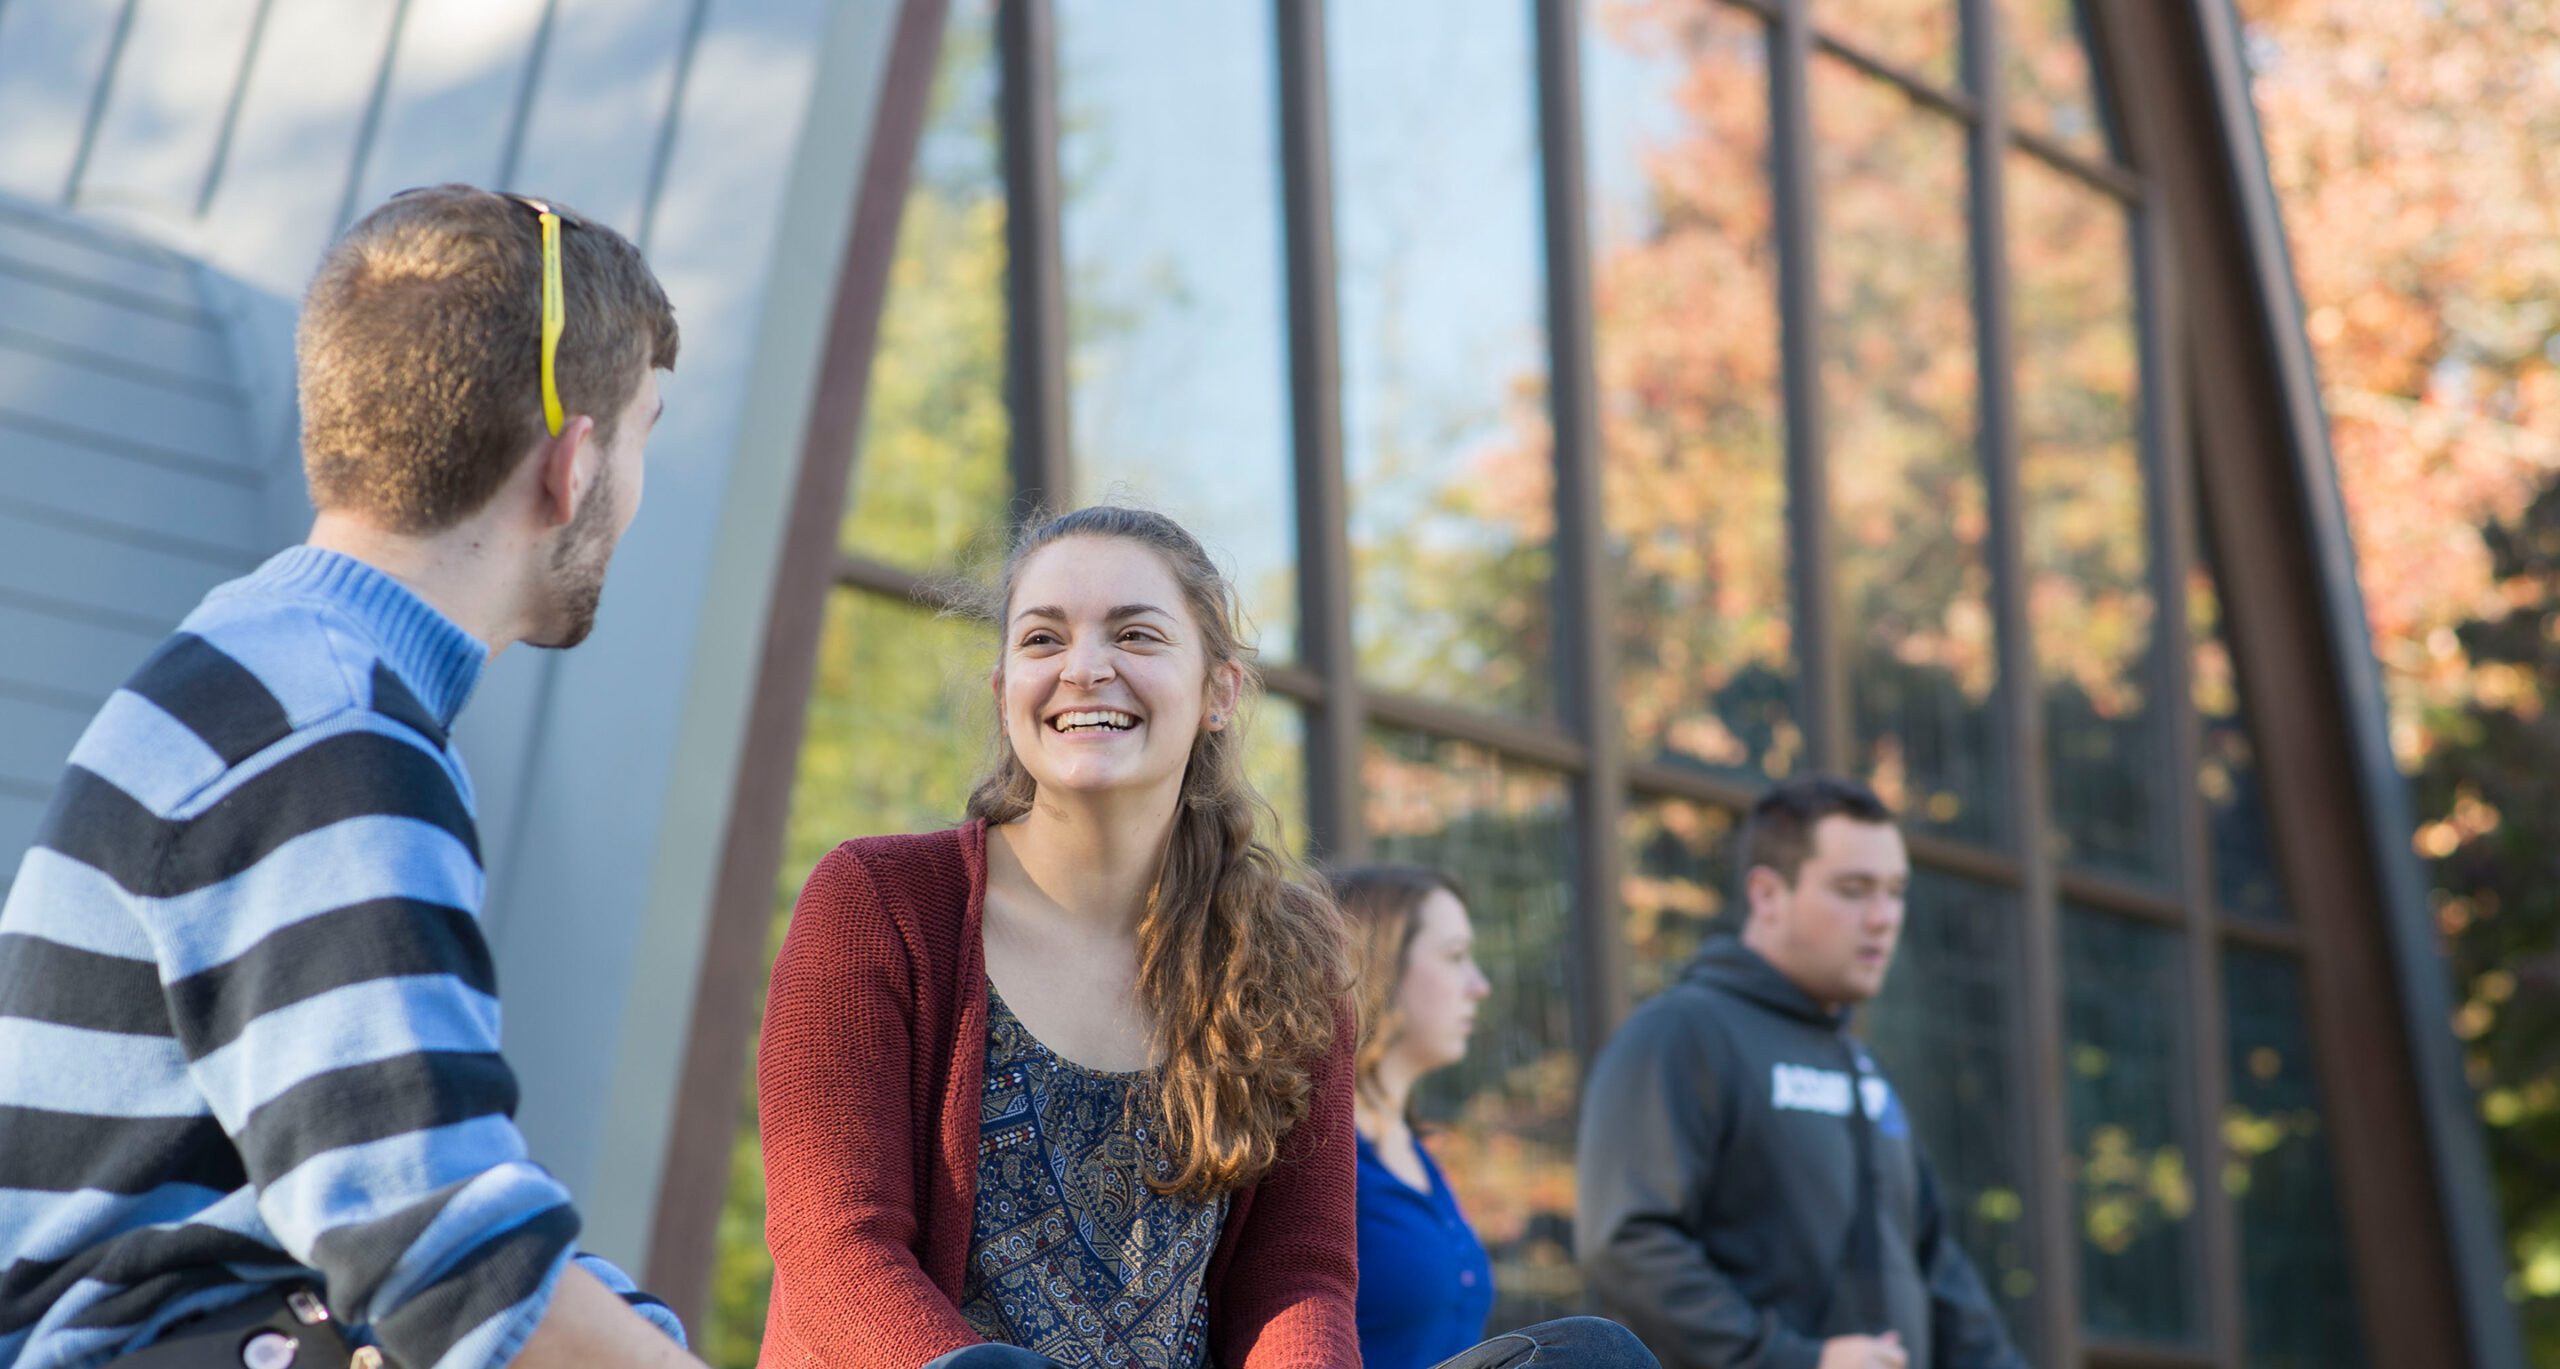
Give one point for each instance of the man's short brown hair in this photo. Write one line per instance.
(1779, 832)
(420, 351)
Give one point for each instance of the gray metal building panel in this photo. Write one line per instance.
(174, 75)
(38, 733)
(81, 469)
(56, 249)
(71, 392)
(20, 808)
(41, 311)
(248, 133)
(129, 480)
(93, 566)
(276, 188)
(66, 658)
(725, 135)
(51, 57)
(599, 141)
(454, 93)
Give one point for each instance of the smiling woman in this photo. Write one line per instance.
(1110, 1004)
(1143, 983)
(1099, 695)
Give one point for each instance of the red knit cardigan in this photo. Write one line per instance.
(869, 1077)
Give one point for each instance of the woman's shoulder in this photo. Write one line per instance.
(893, 860)
(903, 878)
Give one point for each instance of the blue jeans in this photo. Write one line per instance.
(1568, 1343)
(991, 1356)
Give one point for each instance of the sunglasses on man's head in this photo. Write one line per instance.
(555, 307)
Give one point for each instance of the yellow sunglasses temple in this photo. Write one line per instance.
(555, 317)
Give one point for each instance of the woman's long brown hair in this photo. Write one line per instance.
(1382, 907)
(1241, 960)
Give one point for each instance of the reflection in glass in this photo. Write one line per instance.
(1918, 36)
(1943, 1031)
(1444, 387)
(1506, 1115)
(2245, 882)
(2294, 1279)
(1692, 437)
(2124, 1009)
(1910, 515)
(930, 487)
(1176, 347)
(2089, 600)
(1679, 880)
(898, 728)
(2052, 89)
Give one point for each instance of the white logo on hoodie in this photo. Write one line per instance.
(1803, 1088)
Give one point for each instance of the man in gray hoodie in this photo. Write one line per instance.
(1751, 1194)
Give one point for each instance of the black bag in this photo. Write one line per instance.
(281, 1329)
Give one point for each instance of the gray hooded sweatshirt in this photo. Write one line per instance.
(1720, 1188)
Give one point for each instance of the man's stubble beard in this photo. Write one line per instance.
(578, 564)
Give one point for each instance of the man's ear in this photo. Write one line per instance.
(1762, 887)
(568, 470)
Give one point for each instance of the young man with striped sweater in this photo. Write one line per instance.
(252, 1108)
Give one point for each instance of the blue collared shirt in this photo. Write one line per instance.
(1426, 1284)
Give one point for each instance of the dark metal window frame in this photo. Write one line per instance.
(1583, 744)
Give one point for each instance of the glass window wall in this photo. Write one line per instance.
(1684, 304)
(1176, 237)
(1910, 516)
(1176, 352)
(1447, 446)
(930, 489)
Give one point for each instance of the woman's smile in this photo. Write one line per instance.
(1094, 722)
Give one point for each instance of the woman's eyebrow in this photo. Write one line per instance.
(1057, 614)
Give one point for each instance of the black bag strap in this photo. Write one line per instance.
(1862, 1253)
(284, 1326)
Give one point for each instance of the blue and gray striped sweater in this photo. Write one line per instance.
(248, 1023)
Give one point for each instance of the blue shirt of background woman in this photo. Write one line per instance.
(1426, 1285)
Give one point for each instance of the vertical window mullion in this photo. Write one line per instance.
(1822, 698)
(1335, 722)
(1035, 272)
(2169, 495)
(1588, 655)
(2050, 1196)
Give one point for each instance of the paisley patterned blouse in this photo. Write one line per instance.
(1073, 1255)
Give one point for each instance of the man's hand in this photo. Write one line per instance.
(1865, 1352)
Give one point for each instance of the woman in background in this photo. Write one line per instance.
(1426, 1284)
(1424, 1275)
